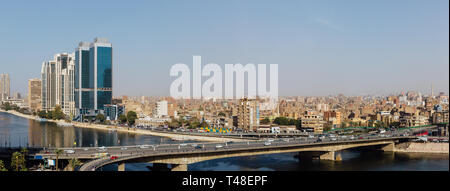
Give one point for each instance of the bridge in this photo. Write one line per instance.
(180, 155)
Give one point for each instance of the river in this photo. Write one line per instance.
(16, 131)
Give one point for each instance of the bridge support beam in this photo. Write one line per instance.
(179, 167)
(121, 167)
(329, 155)
(389, 148)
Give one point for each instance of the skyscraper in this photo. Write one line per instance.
(34, 94)
(93, 76)
(4, 87)
(58, 83)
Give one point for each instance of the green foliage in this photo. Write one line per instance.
(100, 117)
(122, 119)
(265, 121)
(2, 166)
(287, 121)
(42, 114)
(18, 161)
(204, 124)
(131, 117)
(57, 114)
(6, 106)
(221, 114)
(74, 163)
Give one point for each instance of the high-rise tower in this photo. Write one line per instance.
(93, 76)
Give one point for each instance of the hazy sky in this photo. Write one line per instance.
(321, 47)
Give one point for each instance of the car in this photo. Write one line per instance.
(69, 151)
(267, 143)
(270, 140)
(333, 139)
(123, 148)
(352, 137)
(102, 148)
(85, 149)
(311, 136)
(183, 144)
(198, 147)
(113, 157)
(219, 146)
(143, 147)
(344, 137)
(360, 138)
(194, 145)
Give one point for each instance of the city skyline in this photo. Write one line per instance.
(319, 46)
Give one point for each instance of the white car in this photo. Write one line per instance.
(183, 144)
(103, 148)
(85, 149)
(123, 148)
(267, 143)
(219, 146)
(333, 139)
(270, 140)
(194, 145)
(143, 147)
(311, 136)
(352, 137)
(69, 151)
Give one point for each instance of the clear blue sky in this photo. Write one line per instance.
(322, 47)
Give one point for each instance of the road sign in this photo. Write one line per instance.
(51, 162)
(38, 157)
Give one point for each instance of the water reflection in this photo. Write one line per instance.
(19, 132)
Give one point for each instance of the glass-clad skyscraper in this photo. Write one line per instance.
(93, 76)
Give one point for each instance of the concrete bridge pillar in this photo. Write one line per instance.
(329, 155)
(389, 147)
(121, 167)
(179, 167)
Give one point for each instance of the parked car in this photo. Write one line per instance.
(69, 151)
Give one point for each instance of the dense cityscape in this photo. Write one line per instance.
(75, 89)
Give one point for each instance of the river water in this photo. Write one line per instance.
(16, 131)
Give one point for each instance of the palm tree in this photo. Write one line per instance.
(57, 152)
(73, 163)
(2, 166)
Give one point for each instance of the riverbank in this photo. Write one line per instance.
(129, 130)
(412, 147)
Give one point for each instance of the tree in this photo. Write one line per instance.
(281, 121)
(2, 166)
(6, 106)
(204, 124)
(18, 161)
(42, 114)
(221, 114)
(74, 163)
(265, 121)
(122, 119)
(100, 117)
(57, 113)
(131, 117)
(57, 152)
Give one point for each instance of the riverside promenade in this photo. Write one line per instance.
(174, 136)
